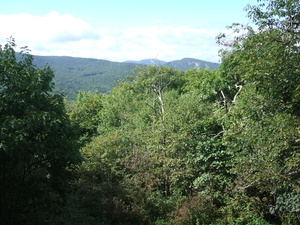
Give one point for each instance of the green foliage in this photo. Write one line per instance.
(149, 149)
(166, 146)
(262, 126)
(73, 74)
(86, 113)
(265, 153)
(37, 145)
(203, 146)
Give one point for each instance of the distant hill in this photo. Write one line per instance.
(73, 74)
(85, 74)
(156, 62)
(182, 64)
(187, 63)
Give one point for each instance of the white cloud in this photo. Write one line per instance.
(47, 28)
(55, 34)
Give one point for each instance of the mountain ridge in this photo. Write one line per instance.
(153, 61)
(74, 74)
(183, 64)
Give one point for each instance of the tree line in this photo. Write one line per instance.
(166, 146)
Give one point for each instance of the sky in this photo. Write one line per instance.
(119, 30)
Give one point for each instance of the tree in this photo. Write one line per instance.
(37, 143)
(85, 112)
(262, 126)
(159, 149)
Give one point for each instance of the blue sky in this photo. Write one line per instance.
(120, 30)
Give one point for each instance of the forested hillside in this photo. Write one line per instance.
(188, 63)
(165, 146)
(73, 74)
(182, 64)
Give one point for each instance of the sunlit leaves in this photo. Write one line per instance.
(262, 126)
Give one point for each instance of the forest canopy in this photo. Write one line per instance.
(38, 146)
(166, 146)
